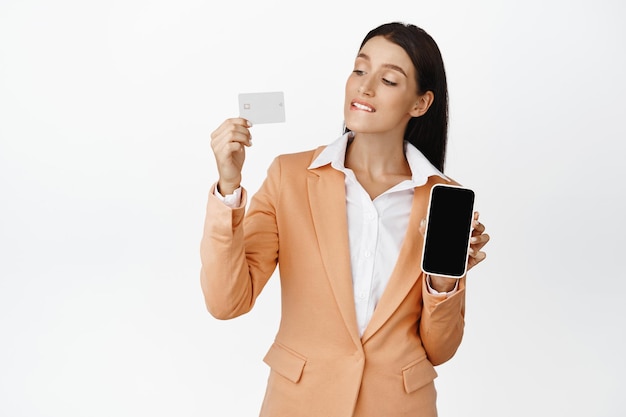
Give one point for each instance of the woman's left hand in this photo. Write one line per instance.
(477, 241)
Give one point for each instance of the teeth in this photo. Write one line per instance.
(362, 107)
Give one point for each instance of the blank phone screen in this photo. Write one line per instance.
(448, 230)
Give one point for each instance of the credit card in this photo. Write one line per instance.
(262, 107)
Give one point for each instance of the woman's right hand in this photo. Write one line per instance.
(228, 142)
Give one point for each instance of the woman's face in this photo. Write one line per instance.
(381, 92)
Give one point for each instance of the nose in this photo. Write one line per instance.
(366, 87)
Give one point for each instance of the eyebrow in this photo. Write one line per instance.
(390, 66)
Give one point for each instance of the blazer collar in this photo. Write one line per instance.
(327, 196)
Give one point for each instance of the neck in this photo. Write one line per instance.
(377, 155)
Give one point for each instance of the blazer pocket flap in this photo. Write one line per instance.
(417, 374)
(285, 361)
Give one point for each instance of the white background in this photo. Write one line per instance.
(106, 108)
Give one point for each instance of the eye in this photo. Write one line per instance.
(389, 82)
(358, 72)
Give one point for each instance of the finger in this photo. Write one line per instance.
(475, 260)
(235, 134)
(477, 228)
(473, 252)
(476, 255)
(238, 121)
(242, 121)
(477, 247)
(480, 256)
(481, 239)
(236, 137)
(234, 147)
(224, 150)
(476, 244)
(227, 154)
(229, 125)
(229, 131)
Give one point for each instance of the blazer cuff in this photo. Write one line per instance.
(433, 300)
(233, 200)
(435, 292)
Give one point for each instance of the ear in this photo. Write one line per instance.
(423, 104)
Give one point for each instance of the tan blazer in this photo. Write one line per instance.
(319, 364)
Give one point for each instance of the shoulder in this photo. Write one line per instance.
(436, 179)
(298, 159)
(288, 172)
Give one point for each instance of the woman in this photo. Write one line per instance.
(361, 325)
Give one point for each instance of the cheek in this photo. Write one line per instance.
(348, 92)
(348, 86)
(353, 82)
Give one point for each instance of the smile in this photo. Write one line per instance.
(363, 107)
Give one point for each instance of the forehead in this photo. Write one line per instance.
(380, 50)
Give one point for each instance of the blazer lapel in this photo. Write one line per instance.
(327, 196)
(407, 269)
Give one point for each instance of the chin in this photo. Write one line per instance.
(359, 127)
(355, 125)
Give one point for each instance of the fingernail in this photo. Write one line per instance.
(248, 123)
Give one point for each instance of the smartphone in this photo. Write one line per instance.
(448, 231)
(262, 107)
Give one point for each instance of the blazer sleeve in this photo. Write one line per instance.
(239, 251)
(442, 323)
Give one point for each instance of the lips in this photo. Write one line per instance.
(359, 105)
